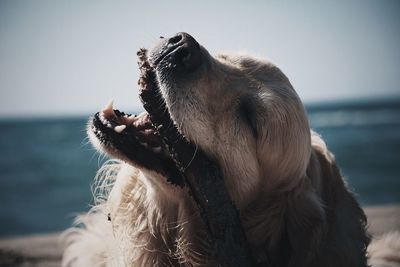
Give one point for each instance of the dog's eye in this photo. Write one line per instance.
(247, 111)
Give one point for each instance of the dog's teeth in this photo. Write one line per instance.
(109, 106)
(108, 110)
(156, 149)
(143, 114)
(130, 119)
(103, 119)
(119, 128)
(109, 125)
(144, 144)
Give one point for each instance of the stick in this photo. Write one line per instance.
(201, 175)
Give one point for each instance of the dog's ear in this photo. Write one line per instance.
(325, 212)
(309, 208)
(306, 222)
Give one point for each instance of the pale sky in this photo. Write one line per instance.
(70, 57)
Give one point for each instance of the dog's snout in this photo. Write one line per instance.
(176, 39)
(182, 53)
(188, 55)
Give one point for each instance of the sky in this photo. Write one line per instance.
(71, 57)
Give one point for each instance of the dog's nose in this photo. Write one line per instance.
(188, 54)
(177, 38)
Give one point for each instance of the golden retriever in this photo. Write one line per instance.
(243, 112)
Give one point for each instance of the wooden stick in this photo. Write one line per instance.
(201, 175)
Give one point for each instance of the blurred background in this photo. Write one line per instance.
(61, 61)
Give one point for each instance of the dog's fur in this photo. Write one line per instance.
(243, 112)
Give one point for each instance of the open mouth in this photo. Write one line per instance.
(132, 138)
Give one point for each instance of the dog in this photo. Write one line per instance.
(243, 112)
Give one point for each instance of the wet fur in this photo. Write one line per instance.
(294, 204)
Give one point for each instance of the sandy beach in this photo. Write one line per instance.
(45, 249)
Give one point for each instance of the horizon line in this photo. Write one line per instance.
(309, 105)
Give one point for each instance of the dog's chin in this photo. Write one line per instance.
(133, 139)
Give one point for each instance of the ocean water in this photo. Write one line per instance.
(47, 165)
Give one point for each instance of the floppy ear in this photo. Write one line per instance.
(306, 221)
(325, 224)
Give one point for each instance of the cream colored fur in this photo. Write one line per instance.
(385, 250)
(294, 205)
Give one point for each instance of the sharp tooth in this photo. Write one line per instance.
(119, 128)
(108, 110)
(144, 113)
(109, 106)
(130, 119)
(156, 149)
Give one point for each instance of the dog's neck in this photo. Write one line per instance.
(177, 208)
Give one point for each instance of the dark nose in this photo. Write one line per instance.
(187, 55)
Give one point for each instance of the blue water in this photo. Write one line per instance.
(47, 165)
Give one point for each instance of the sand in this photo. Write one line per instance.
(45, 249)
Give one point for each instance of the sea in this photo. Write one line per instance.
(47, 165)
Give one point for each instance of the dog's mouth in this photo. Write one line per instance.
(132, 138)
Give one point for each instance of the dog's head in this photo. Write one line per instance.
(240, 110)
